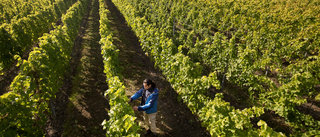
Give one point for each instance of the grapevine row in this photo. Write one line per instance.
(275, 41)
(15, 9)
(121, 122)
(186, 78)
(19, 35)
(25, 109)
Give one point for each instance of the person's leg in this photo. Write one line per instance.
(146, 119)
(152, 118)
(147, 123)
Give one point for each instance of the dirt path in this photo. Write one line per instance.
(80, 105)
(7, 78)
(174, 119)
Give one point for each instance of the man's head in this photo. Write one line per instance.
(147, 83)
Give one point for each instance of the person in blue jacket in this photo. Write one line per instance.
(149, 100)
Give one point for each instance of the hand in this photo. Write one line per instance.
(130, 100)
(135, 108)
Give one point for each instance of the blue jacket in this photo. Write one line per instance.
(148, 101)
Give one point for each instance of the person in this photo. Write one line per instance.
(148, 104)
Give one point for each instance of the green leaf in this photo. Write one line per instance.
(317, 97)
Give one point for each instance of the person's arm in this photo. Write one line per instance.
(150, 103)
(136, 95)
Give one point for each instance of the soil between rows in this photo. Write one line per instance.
(80, 105)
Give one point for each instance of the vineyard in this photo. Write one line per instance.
(223, 68)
